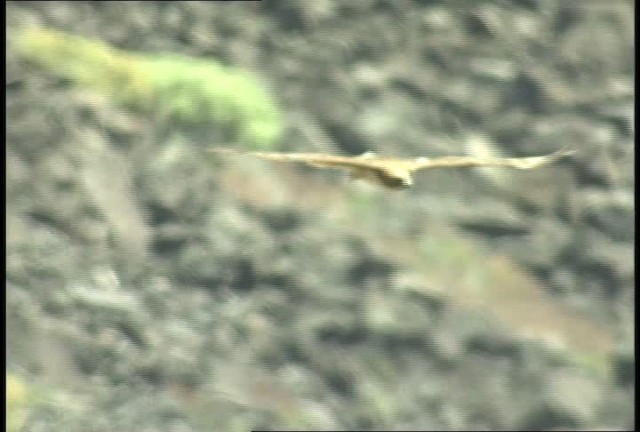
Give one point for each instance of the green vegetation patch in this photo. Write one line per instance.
(189, 90)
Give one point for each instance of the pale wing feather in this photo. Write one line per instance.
(313, 159)
(470, 161)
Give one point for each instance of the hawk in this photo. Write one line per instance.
(395, 173)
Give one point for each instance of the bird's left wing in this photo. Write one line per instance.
(471, 161)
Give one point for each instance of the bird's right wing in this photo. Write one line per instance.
(313, 159)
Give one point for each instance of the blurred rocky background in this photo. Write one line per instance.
(152, 288)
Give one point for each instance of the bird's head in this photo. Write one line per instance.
(395, 179)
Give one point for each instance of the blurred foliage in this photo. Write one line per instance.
(189, 90)
(17, 403)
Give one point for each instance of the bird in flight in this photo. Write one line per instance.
(395, 173)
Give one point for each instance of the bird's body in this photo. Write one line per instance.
(396, 173)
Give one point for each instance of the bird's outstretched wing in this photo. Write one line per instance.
(470, 161)
(313, 159)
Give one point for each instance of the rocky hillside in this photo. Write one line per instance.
(153, 288)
